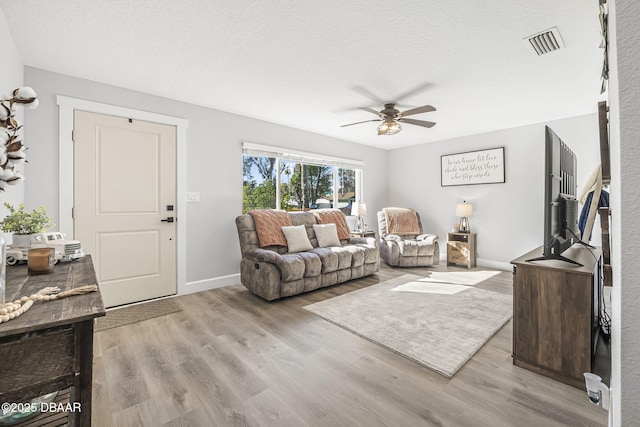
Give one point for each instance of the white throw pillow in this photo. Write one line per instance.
(327, 235)
(297, 239)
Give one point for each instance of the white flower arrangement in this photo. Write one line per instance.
(12, 151)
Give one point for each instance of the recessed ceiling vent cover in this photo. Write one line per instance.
(546, 41)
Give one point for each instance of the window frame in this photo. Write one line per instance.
(280, 154)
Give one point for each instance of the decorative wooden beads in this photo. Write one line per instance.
(11, 310)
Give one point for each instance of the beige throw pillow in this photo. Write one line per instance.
(297, 239)
(327, 235)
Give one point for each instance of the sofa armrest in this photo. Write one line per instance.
(362, 241)
(392, 238)
(429, 238)
(263, 255)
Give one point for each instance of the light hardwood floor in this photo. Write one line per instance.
(231, 359)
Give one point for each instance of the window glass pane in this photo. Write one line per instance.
(320, 182)
(298, 195)
(259, 183)
(288, 196)
(312, 186)
(346, 189)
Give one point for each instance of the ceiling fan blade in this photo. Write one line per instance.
(357, 123)
(414, 91)
(418, 110)
(422, 123)
(368, 94)
(377, 113)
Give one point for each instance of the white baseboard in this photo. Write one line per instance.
(216, 282)
(234, 279)
(498, 265)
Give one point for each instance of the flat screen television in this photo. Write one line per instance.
(560, 204)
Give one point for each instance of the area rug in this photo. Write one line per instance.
(438, 329)
(135, 313)
(469, 278)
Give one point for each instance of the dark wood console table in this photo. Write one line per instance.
(50, 347)
(556, 313)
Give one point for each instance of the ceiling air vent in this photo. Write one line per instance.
(546, 41)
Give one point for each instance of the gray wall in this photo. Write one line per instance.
(508, 217)
(412, 178)
(624, 96)
(214, 162)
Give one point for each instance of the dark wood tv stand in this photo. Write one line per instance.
(556, 314)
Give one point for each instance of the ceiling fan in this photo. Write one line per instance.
(391, 117)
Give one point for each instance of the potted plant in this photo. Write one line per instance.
(22, 224)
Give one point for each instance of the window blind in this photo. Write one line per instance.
(257, 150)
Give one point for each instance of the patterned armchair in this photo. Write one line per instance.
(402, 241)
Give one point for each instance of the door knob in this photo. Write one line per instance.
(168, 219)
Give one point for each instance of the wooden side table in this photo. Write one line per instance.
(363, 234)
(461, 249)
(50, 347)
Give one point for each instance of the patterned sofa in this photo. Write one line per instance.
(271, 272)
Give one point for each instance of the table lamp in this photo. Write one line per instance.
(464, 210)
(359, 209)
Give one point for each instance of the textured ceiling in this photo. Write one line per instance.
(310, 64)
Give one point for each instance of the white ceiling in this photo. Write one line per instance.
(310, 64)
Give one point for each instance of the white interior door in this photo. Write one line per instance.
(124, 192)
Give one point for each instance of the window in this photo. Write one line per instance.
(346, 189)
(259, 183)
(294, 181)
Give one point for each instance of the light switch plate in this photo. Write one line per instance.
(193, 197)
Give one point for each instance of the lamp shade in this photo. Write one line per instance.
(464, 209)
(358, 208)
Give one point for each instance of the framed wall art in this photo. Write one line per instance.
(473, 167)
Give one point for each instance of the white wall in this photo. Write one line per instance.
(12, 78)
(507, 217)
(214, 164)
(624, 96)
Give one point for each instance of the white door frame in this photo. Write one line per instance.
(65, 220)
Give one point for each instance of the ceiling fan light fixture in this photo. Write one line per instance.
(389, 127)
(390, 118)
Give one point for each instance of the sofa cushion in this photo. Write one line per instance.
(312, 264)
(357, 255)
(292, 267)
(297, 240)
(328, 258)
(334, 216)
(327, 235)
(344, 257)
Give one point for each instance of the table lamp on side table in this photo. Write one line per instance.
(464, 210)
(359, 209)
